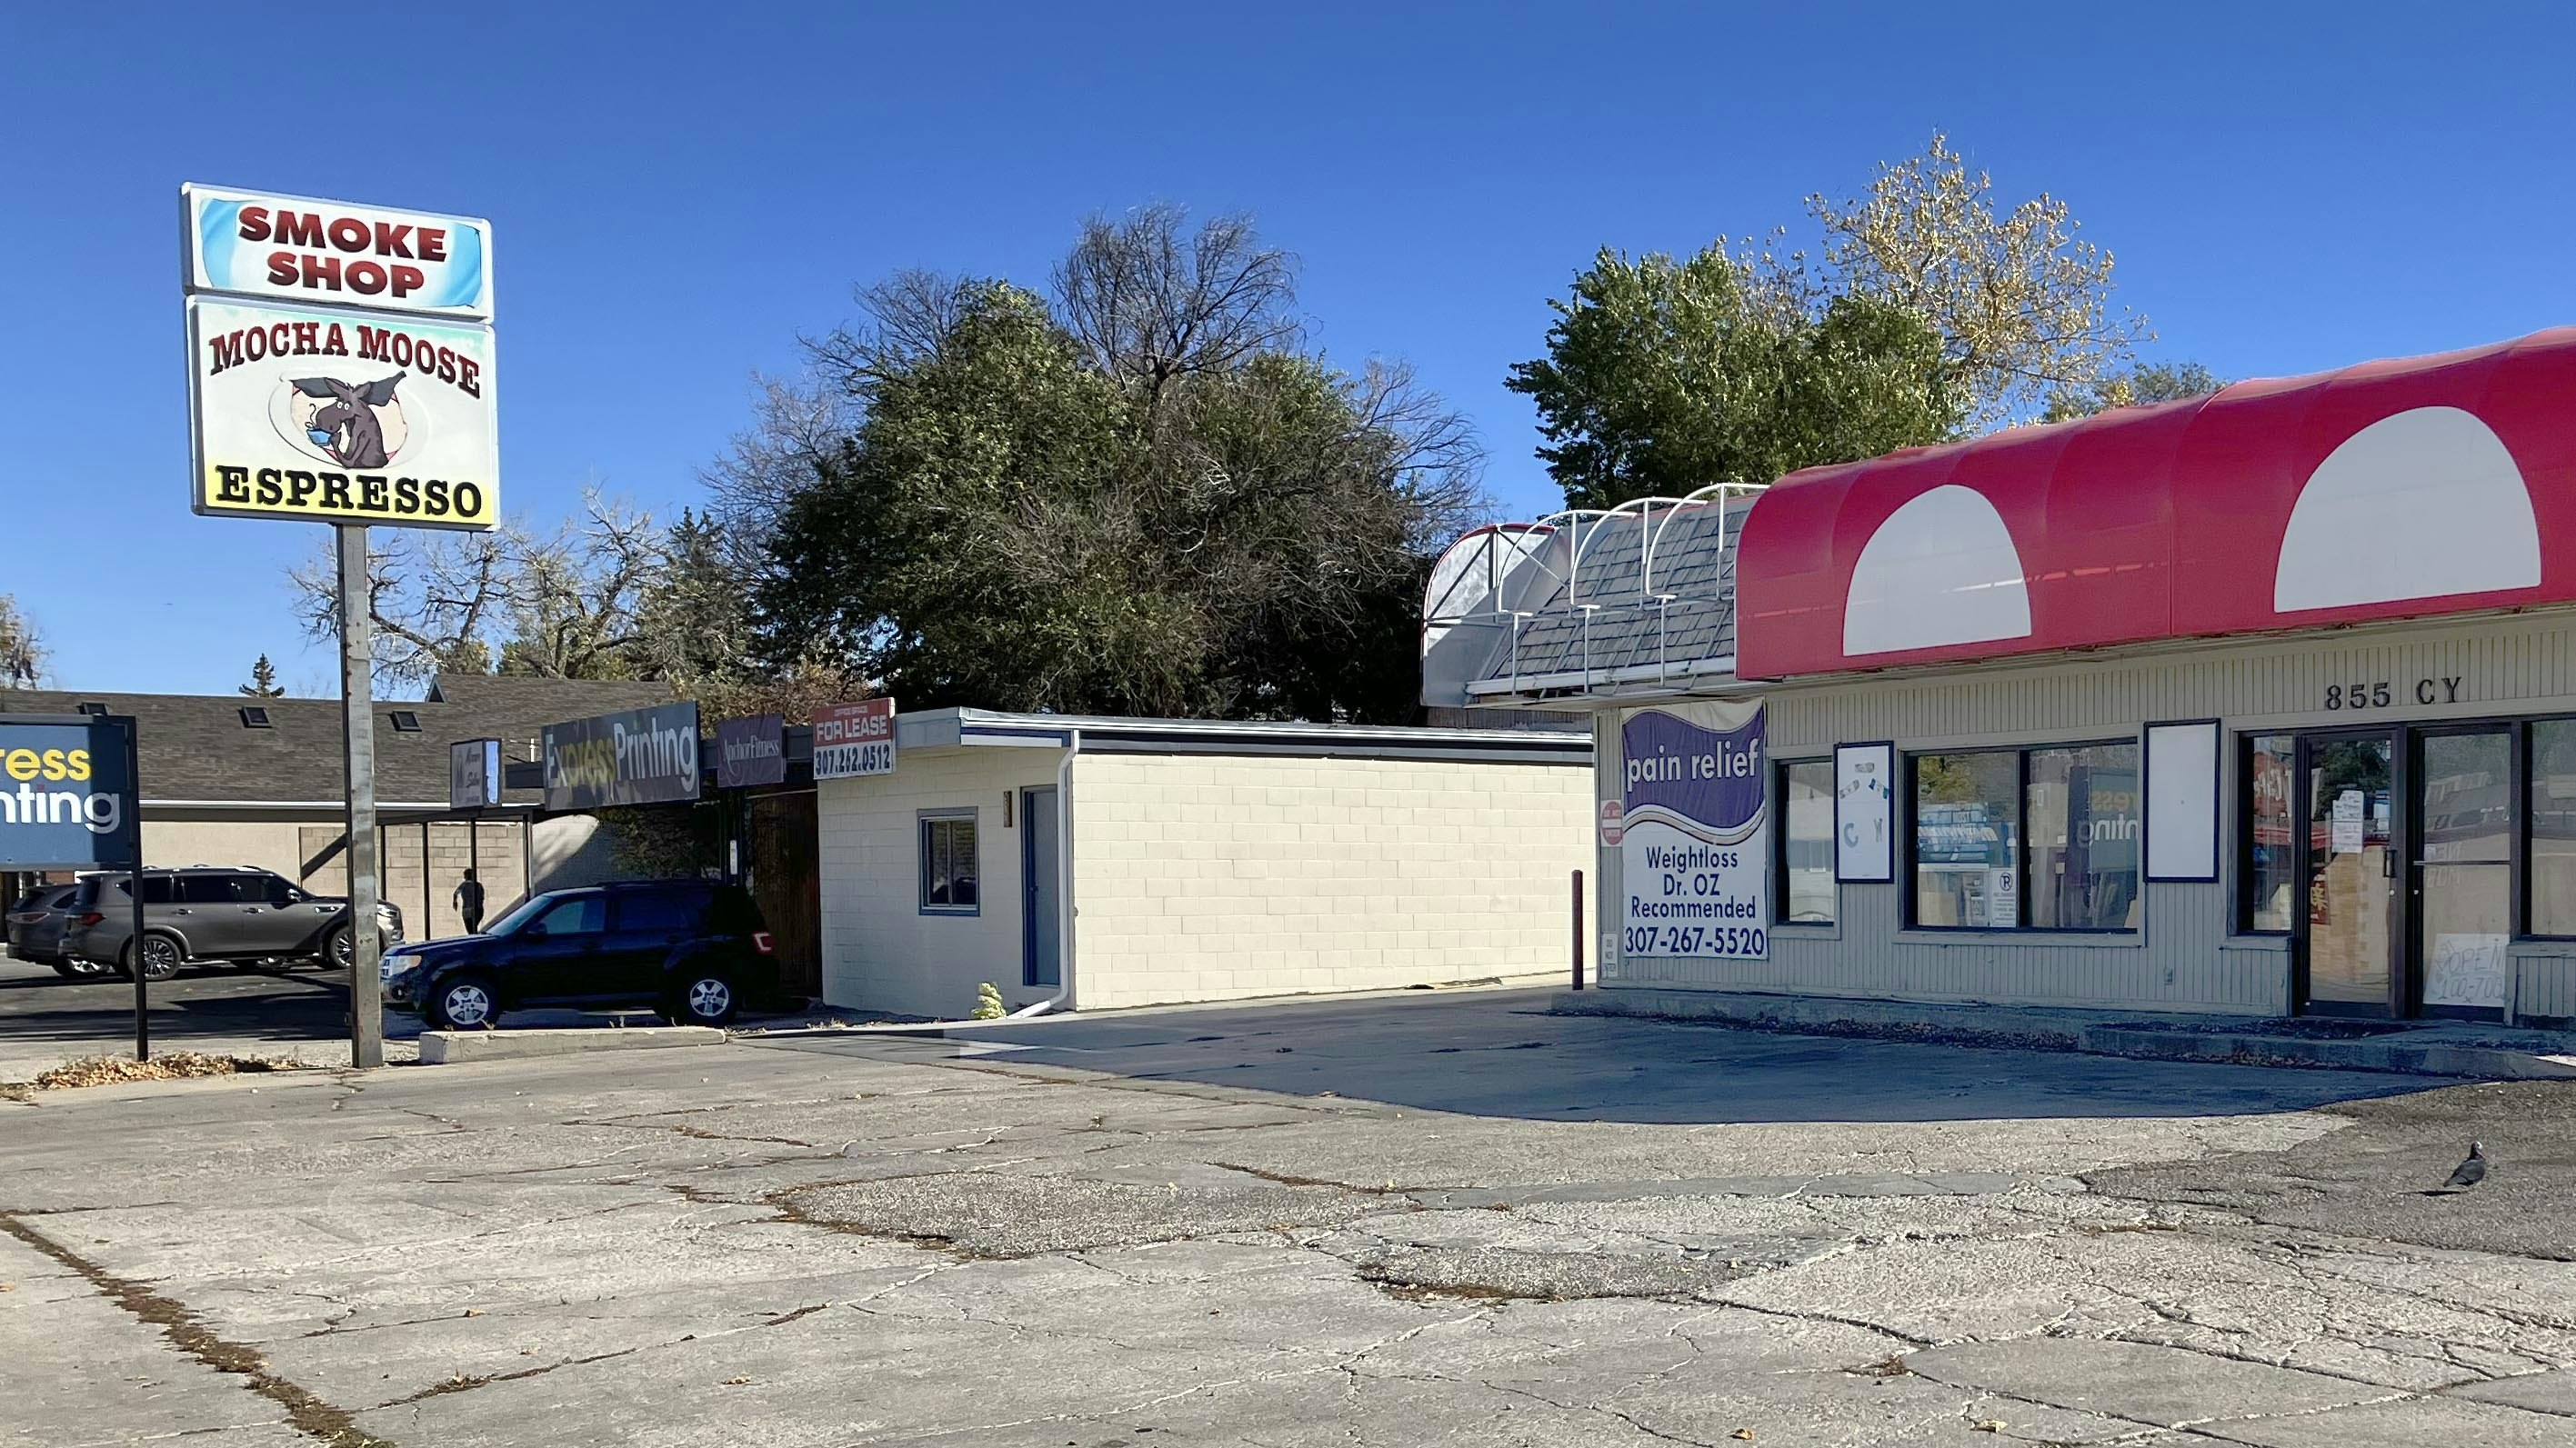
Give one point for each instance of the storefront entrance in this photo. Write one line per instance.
(2406, 860)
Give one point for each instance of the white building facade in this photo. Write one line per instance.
(2259, 703)
(1099, 863)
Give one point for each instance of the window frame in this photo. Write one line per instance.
(1780, 847)
(2021, 838)
(2240, 918)
(2525, 758)
(925, 823)
(2027, 852)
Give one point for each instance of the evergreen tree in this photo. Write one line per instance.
(263, 681)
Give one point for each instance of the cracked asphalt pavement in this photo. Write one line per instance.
(1441, 1219)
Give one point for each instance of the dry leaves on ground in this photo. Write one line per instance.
(107, 1070)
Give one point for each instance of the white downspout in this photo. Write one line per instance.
(1063, 997)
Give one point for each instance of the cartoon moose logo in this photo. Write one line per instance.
(347, 425)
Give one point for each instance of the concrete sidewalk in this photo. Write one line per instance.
(2420, 1047)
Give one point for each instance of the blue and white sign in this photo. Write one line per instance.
(301, 248)
(1695, 858)
(67, 795)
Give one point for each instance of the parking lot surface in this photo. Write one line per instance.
(46, 1019)
(1444, 1219)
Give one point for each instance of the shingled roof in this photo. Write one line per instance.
(198, 749)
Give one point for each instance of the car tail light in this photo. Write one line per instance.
(761, 942)
(93, 918)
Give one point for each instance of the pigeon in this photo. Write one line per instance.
(2471, 1171)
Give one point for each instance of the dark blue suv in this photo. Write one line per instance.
(693, 949)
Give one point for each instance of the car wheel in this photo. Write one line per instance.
(162, 955)
(463, 1003)
(706, 1000)
(339, 948)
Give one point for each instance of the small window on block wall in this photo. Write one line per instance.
(950, 875)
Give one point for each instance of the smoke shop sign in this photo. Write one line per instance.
(340, 369)
(297, 248)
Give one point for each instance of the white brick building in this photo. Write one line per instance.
(1207, 861)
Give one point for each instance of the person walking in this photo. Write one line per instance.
(469, 903)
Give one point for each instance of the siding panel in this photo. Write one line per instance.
(2183, 958)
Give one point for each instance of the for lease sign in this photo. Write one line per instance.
(341, 417)
(854, 739)
(296, 248)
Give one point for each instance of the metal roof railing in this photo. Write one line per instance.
(1586, 600)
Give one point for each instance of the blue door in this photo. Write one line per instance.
(1041, 891)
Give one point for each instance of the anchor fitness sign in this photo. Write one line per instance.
(1695, 859)
(302, 406)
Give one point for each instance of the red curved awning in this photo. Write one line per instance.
(2397, 489)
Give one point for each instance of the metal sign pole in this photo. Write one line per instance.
(135, 952)
(358, 734)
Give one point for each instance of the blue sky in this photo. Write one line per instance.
(675, 198)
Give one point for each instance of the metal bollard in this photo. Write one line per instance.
(1578, 930)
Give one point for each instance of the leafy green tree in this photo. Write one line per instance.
(1664, 376)
(1143, 499)
(2139, 386)
(263, 681)
(1930, 308)
(2021, 301)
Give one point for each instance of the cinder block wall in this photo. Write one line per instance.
(880, 951)
(1211, 877)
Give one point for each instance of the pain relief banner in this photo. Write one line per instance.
(1694, 849)
(341, 417)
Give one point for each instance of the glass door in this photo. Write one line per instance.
(2350, 871)
(2465, 810)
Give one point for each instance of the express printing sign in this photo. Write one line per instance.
(1695, 859)
(643, 756)
(67, 795)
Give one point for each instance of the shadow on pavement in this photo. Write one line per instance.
(1498, 1053)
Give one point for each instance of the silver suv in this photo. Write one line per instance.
(232, 914)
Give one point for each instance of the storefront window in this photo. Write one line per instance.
(2269, 865)
(2085, 829)
(2552, 888)
(1967, 840)
(1807, 842)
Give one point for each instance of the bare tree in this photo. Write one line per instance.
(432, 597)
(797, 424)
(22, 650)
(562, 605)
(576, 595)
(1152, 301)
(1431, 446)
